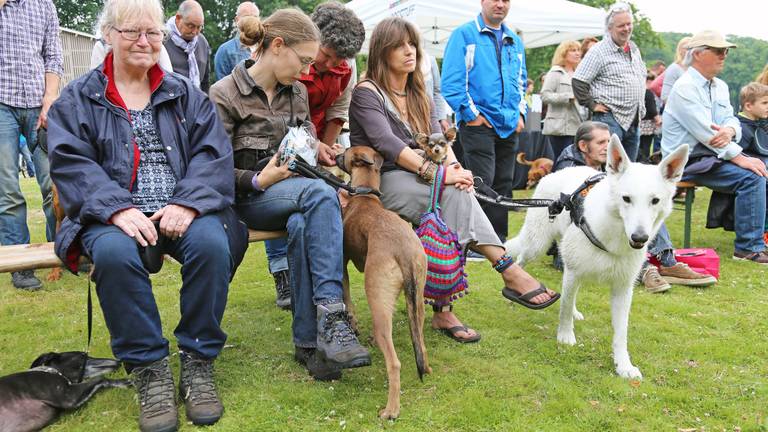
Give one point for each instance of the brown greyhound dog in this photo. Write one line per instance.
(387, 250)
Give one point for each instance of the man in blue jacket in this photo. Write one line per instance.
(484, 80)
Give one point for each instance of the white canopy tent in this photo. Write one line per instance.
(539, 22)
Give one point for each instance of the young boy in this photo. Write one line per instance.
(754, 111)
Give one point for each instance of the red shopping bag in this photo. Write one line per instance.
(702, 260)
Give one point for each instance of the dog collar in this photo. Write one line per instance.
(49, 370)
(364, 190)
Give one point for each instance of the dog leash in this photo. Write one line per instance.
(300, 166)
(485, 193)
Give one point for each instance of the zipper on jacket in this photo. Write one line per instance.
(498, 61)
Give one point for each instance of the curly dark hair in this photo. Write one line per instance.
(340, 28)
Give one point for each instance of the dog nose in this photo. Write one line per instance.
(639, 237)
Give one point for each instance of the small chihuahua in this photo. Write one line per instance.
(436, 146)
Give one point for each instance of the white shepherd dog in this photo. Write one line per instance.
(624, 211)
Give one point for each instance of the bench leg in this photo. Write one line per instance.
(689, 195)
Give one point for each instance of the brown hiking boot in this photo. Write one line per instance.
(198, 391)
(758, 257)
(157, 401)
(653, 282)
(681, 274)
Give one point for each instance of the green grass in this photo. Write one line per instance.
(702, 353)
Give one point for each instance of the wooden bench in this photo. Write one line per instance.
(690, 194)
(40, 255)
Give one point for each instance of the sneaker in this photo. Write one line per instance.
(758, 257)
(198, 391)
(474, 256)
(319, 370)
(26, 280)
(337, 344)
(681, 274)
(653, 282)
(157, 403)
(283, 288)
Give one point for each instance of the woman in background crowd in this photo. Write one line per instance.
(563, 117)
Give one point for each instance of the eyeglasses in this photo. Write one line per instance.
(305, 61)
(153, 36)
(718, 51)
(620, 7)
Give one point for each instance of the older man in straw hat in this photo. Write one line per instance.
(699, 112)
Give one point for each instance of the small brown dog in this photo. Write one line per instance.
(538, 169)
(436, 146)
(387, 250)
(58, 211)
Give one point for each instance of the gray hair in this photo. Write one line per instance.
(689, 55)
(243, 6)
(586, 129)
(188, 6)
(117, 12)
(616, 9)
(340, 29)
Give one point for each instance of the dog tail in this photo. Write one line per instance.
(522, 160)
(414, 305)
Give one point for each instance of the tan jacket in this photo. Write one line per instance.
(256, 128)
(562, 113)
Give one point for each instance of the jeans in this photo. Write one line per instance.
(559, 143)
(125, 291)
(661, 247)
(309, 210)
(491, 158)
(630, 138)
(26, 156)
(277, 254)
(13, 207)
(750, 203)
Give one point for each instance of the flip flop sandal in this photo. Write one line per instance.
(451, 333)
(524, 299)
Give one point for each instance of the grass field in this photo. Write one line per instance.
(702, 353)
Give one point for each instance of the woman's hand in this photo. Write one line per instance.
(326, 155)
(272, 173)
(461, 178)
(136, 225)
(174, 220)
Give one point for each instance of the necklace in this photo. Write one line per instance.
(401, 94)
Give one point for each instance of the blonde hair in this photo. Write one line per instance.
(388, 35)
(763, 77)
(291, 25)
(751, 92)
(558, 59)
(680, 57)
(117, 12)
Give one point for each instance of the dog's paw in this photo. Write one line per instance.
(577, 315)
(389, 413)
(566, 338)
(629, 372)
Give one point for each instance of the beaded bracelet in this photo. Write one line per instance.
(503, 263)
(429, 174)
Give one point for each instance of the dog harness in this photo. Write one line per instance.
(574, 203)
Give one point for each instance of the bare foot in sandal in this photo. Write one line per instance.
(448, 323)
(519, 286)
(519, 281)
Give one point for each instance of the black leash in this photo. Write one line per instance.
(300, 166)
(90, 315)
(485, 193)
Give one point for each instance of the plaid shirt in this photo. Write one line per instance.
(616, 78)
(29, 48)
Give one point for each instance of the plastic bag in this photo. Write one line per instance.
(298, 142)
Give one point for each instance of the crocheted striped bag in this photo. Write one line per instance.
(446, 279)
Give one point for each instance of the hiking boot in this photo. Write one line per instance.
(198, 391)
(337, 344)
(653, 282)
(26, 280)
(681, 274)
(318, 369)
(758, 257)
(283, 288)
(157, 403)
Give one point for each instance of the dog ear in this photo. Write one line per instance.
(44, 359)
(378, 161)
(673, 165)
(421, 139)
(450, 134)
(618, 161)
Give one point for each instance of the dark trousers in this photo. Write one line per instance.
(125, 291)
(491, 158)
(558, 144)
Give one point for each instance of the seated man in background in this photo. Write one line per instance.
(591, 149)
(699, 113)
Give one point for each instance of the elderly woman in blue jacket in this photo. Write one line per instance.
(139, 158)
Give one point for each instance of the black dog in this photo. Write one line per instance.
(33, 399)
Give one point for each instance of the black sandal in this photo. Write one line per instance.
(502, 264)
(451, 332)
